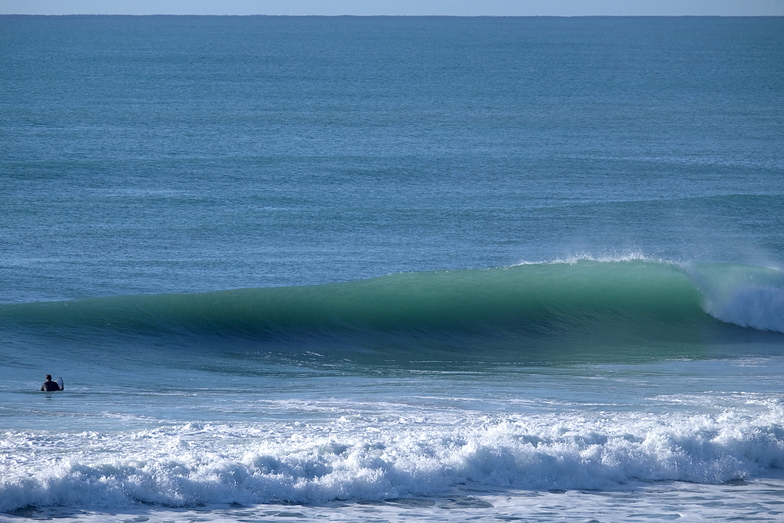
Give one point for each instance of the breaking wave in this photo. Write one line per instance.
(604, 301)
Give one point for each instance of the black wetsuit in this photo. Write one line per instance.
(50, 386)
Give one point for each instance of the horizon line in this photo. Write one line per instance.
(409, 15)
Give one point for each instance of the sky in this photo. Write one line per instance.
(401, 7)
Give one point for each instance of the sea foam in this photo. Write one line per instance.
(370, 459)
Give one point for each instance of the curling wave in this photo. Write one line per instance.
(626, 299)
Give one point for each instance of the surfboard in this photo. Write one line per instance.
(59, 381)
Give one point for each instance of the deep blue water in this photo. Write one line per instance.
(147, 155)
(412, 264)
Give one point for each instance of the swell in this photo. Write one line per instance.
(570, 309)
(525, 301)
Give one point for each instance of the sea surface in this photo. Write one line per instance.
(391, 269)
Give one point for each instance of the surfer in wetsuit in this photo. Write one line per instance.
(49, 385)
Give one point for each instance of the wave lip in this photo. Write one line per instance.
(743, 295)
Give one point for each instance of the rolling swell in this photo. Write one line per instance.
(625, 301)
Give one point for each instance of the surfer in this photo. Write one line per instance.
(50, 385)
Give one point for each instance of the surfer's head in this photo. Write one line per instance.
(48, 377)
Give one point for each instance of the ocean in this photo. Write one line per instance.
(391, 269)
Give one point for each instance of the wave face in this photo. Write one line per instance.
(576, 303)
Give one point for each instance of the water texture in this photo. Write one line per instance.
(380, 268)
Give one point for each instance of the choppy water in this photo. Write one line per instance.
(392, 268)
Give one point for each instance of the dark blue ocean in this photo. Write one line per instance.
(391, 268)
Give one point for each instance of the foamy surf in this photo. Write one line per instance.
(367, 459)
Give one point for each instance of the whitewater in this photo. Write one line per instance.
(391, 269)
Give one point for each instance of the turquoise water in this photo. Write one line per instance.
(384, 268)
